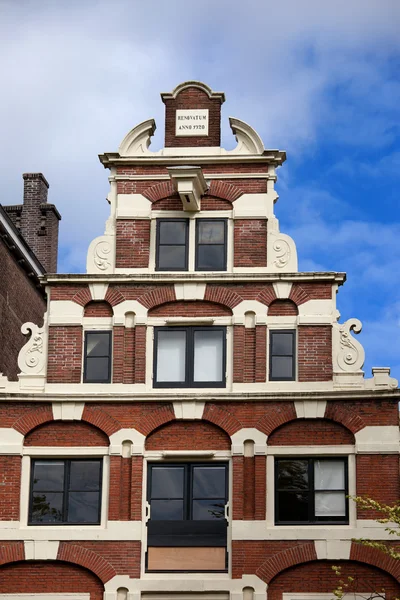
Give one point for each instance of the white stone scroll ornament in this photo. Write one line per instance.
(101, 255)
(350, 354)
(32, 356)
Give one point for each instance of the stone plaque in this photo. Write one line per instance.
(192, 122)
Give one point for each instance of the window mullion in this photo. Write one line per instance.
(66, 490)
(311, 488)
(190, 355)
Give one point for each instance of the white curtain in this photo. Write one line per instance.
(171, 361)
(208, 350)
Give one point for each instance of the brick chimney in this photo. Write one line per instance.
(192, 116)
(39, 221)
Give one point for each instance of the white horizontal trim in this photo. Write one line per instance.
(187, 453)
(262, 530)
(60, 451)
(310, 450)
(33, 596)
(207, 176)
(112, 531)
(188, 320)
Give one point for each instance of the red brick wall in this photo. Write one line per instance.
(10, 481)
(129, 354)
(369, 412)
(249, 487)
(302, 292)
(314, 353)
(188, 435)
(132, 243)
(125, 501)
(122, 557)
(319, 577)
(250, 243)
(282, 308)
(98, 309)
(78, 293)
(65, 354)
(66, 433)
(192, 308)
(20, 302)
(249, 354)
(191, 98)
(378, 478)
(49, 577)
(307, 432)
(249, 556)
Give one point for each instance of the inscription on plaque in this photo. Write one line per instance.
(191, 122)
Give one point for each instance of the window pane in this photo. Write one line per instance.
(172, 257)
(208, 509)
(330, 504)
(208, 482)
(211, 232)
(282, 343)
(83, 507)
(208, 355)
(167, 482)
(47, 507)
(329, 475)
(48, 475)
(166, 510)
(97, 369)
(293, 506)
(211, 258)
(97, 344)
(293, 475)
(171, 359)
(84, 475)
(172, 232)
(281, 367)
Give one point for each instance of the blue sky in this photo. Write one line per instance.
(317, 79)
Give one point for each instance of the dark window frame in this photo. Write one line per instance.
(312, 519)
(67, 470)
(189, 356)
(109, 356)
(272, 332)
(188, 532)
(225, 243)
(186, 245)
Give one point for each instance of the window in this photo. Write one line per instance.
(187, 504)
(210, 245)
(97, 367)
(311, 490)
(172, 244)
(189, 356)
(282, 352)
(65, 492)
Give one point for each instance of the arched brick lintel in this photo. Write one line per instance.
(375, 558)
(285, 559)
(341, 414)
(11, 552)
(277, 417)
(222, 418)
(86, 558)
(34, 418)
(156, 418)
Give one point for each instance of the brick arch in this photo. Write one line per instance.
(375, 558)
(98, 308)
(282, 308)
(277, 416)
(190, 308)
(221, 417)
(224, 190)
(114, 296)
(11, 552)
(83, 296)
(222, 295)
(33, 418)
(156, 418)
(66, 433)
(341, 414)
(159, 191)
(310, 432)
(86, 558)
(158, 296)
(186, 434)
(285, 559)
(100, 419)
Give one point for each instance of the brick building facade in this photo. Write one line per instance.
(28, 248)
(191, 417)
